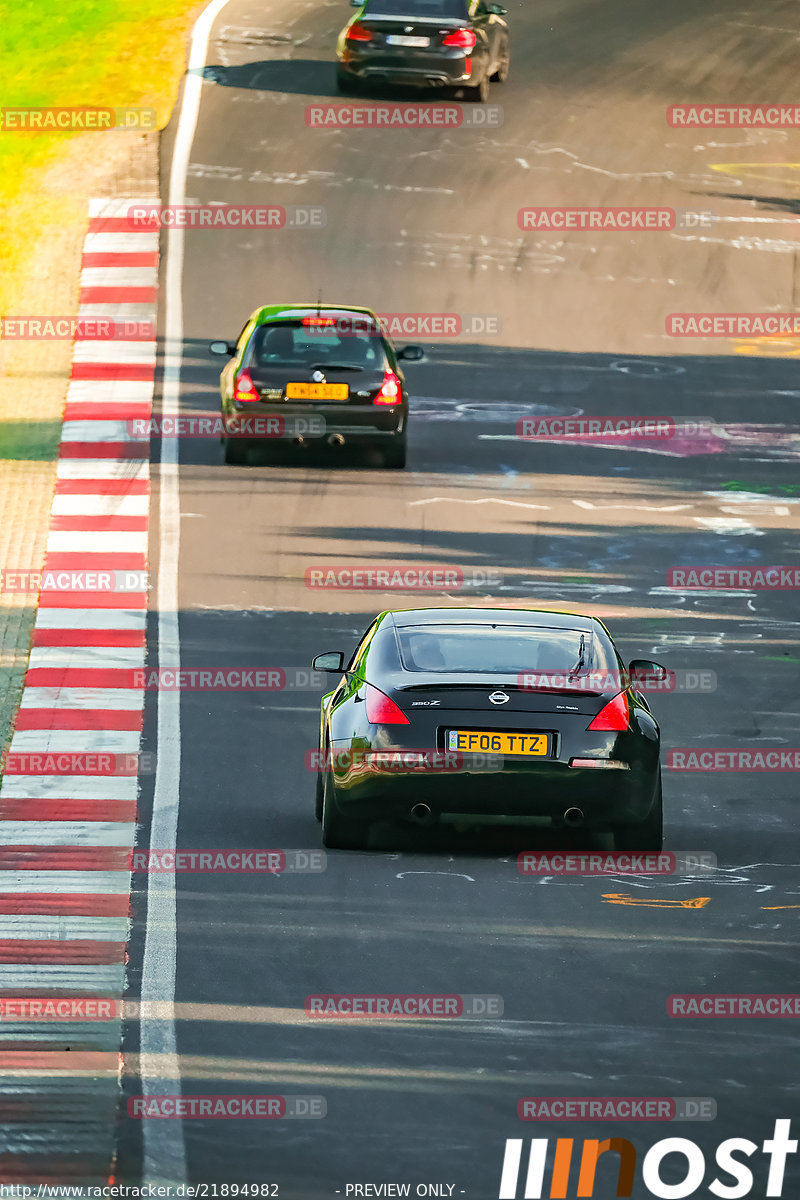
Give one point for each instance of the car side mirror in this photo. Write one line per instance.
(649, 675)
(497, 10)
(411, 353)
(222, 348)
(332, 661)
(356, 3)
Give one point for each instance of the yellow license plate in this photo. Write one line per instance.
(473, 740)
(317, 391)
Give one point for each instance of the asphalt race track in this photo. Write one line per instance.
(426, 222)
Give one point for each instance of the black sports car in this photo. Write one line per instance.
(484, 716)
(329, 362)
(430, 43)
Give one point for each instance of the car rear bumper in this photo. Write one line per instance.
(427, 71)
(537, 795)
(271, 423)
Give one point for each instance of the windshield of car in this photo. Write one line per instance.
(507, 649)
(449, 10)
(291, 343)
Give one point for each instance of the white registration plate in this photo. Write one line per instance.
(400, 39)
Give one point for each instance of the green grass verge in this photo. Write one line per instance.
(77, 52)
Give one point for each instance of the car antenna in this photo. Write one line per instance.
(319, 302)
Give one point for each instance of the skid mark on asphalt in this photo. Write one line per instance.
(780, 172)
(620, 898)
(453, 874)
(482, 500)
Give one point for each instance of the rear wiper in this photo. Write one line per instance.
(329, 366)
(581, 656)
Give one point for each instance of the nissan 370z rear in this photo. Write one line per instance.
(489, 717)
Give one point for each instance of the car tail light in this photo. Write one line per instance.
(318, 321)
(613, 715)
(464, 38)
(381, 710)
(244, 388)
(357, 33)
(390, 389)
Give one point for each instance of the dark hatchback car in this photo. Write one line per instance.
(477, 717)
(332, 363)
(429, 43)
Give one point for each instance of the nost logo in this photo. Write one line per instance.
(729, 1156)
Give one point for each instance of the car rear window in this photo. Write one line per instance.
(448, 10)
(507, 650)
(289, 343)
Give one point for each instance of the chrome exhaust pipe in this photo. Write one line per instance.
(336, 439)
(573, 816)
(421, 813)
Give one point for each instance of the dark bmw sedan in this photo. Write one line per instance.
(459, 44)
(329, 370)
(486, 717)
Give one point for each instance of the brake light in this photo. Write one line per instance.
(390, 389)
(318, 321)
(244, 388)
(357, 33)
(464, 38)
(613, 715)
(383, 711)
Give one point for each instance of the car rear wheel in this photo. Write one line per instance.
(501, 73)
(338, 832)
(480, 93)
(394, 454)
(347, 83)
(235, 451)
(649, 834)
